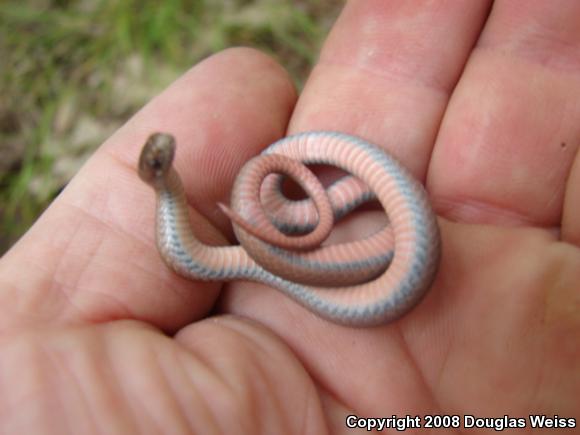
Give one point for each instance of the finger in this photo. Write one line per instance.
(242, 379)
(508, 139)
(386, 72)
(126, 378)
(571, 213)
(92, 255)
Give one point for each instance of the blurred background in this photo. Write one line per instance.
(73, 71)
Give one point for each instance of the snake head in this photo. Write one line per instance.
(156, 158)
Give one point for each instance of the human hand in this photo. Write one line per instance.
(98, 335)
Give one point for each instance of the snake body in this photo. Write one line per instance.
(361, 283)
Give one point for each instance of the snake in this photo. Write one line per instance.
(282, 241)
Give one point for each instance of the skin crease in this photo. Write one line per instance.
(480, 101)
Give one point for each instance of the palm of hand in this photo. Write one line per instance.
(498, 334)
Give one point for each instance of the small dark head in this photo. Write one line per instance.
(156, 158)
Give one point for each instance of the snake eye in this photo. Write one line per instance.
(156, 157)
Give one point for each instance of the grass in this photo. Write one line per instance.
(72, 71)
